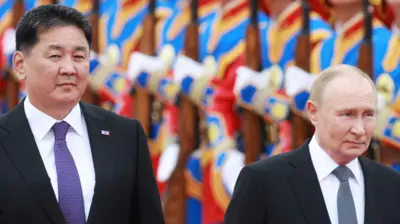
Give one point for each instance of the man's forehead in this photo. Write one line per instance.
(347, 100)
(62, 38)
(345, 88)
(348, 81)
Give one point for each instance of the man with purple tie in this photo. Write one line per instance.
(64, 161)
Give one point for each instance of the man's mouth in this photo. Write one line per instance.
(356, 143)
(66, 84)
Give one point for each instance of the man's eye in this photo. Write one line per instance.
(79, 56)
(370, 114)
(55, 56)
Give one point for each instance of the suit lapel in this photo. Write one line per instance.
(371, 211)
(103, 152)
(306, 187)
(20, 145)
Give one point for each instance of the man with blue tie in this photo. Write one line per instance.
(64, 161)
(326, 180)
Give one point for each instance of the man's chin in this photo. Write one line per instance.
(67, 99)
(355, 152)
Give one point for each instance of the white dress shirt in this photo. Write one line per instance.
(329, 183)
(77, 142)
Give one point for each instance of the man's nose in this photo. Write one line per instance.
(67, 66)
(358, 128)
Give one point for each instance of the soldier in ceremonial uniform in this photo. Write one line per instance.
(119, 37)
(168, 90)
(343, 47)
(187, 76)
(228, 49)
(212, 90)
(155, 73)
(388, 122)
(265, 92)
(113, 75)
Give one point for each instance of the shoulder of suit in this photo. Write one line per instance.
(274, 165)
(383, 171)
(111, 116)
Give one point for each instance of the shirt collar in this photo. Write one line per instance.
(41, 123)
(324, 164)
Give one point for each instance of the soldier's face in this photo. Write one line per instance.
(345, 120)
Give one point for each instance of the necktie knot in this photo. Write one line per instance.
(60, 130)
(343, 173)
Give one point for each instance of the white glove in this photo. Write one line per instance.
(185, 66)
(297, 79)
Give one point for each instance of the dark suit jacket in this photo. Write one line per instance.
(125, 190)
(285, 189)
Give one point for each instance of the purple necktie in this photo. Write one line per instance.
(70, 196)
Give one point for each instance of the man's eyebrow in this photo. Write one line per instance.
(54, 47)
(81, 48)
(58, 47)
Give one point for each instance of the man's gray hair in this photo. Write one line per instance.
(330, 74)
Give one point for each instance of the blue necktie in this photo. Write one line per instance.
(70, 196)
(345, 203)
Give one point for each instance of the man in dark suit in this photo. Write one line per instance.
(326, 180)
(62, 160)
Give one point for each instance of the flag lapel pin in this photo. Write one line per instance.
(104, 132)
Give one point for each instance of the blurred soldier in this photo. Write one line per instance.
(167, 90)
(388, 123)
(123, 38)
(343, 46)
(155, 73)
(265, 92)
(210, 86)
(119, 37)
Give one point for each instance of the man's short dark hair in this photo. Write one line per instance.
(46, 17)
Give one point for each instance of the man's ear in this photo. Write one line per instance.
(18, 63)
(312, 111)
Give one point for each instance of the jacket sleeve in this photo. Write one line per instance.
(146, 200)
